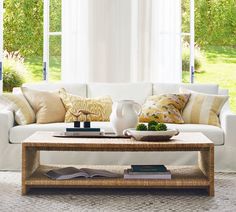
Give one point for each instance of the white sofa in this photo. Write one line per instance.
(224, 137)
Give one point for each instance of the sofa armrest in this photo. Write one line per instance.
(228, 124)
(6, 122)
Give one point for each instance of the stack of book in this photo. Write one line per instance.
(77, 131)
(147, 172)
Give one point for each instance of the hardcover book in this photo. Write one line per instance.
(78, 129)
(82, 133)
(148, 168)
(128, 174)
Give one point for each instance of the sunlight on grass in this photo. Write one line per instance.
(34, 66)
(220, 68)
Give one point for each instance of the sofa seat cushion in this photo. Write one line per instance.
(20, 133)
(214, 133)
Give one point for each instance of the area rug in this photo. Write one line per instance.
(116, 200)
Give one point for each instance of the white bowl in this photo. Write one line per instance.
(151, 135)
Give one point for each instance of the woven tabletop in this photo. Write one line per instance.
(190, 140)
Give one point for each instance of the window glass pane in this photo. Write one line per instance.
(185, 59)
(23, 42)
(185, 15)
(55, 15)
(55, 58)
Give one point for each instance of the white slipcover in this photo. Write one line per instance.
(11, 136)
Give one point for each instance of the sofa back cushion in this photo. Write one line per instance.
(165, 88)
(120, 91)
(73, 88)
(47, 106)
(203, 108)
(17, 103)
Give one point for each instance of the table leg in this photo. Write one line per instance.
(30, 162)
(206, 164)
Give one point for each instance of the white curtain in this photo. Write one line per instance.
(121, 40)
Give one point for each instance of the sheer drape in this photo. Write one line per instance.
(121, 40)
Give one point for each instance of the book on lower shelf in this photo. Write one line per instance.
(147, 172)
(148, 168)
(72, 172)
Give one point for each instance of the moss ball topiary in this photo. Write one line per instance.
(151, 123)
(161, 127)
(141, 127)
(152, 128)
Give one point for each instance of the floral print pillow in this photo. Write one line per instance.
(166, 108)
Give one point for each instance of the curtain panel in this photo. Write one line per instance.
(121, 40)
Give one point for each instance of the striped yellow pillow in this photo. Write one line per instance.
(203, 108)
(100, 107)
(17, 103)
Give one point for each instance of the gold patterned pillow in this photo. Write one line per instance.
(17, 103)
(164, 108)
(100, 108)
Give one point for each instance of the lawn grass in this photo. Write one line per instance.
(34, 65)
(219, 68)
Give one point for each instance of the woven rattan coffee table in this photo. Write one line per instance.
(199, 176)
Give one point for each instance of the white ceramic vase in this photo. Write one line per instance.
(124, 115)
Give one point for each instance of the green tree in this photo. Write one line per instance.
(23, 26)
(215, 21)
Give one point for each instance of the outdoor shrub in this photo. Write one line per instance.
(198, 60)
(13, 71)
(215, 21)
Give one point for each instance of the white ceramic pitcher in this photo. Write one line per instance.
(124, 115)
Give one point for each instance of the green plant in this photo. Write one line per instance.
(161, 127)
(215, 21)
(13, 71)
(150, 123)
(141, 127)
(23, 22)
(198, 58)
(152, 128)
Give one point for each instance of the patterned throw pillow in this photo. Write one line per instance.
(17, 103)
(100, 107)
(164, 108)
(203, 108)
(47, 106)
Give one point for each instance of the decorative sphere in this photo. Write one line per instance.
(141, 127)
(161, 127)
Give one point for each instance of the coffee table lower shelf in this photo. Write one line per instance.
(182, 177)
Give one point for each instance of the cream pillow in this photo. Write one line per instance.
(101, 107)
(164, 108)
(47, 106)
(203, 108)
(17, 103)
